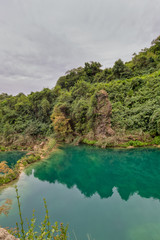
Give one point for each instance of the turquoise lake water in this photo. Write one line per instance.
(103, 194)
(11, 157)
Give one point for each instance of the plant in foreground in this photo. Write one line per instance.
(47, 231)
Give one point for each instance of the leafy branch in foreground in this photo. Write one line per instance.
(47, 231)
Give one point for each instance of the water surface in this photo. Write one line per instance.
(102, 193)
(11, 157)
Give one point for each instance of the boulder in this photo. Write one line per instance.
(5, 235)
(42, 144)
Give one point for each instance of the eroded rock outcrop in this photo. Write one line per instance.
(103, 111)
(4, 235)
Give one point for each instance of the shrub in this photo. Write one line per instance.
(89, 142)
(135, 144)
(156, 140)
(51, 144)
(46, 230)
(2, 148)
(29, 159)
(7, 174)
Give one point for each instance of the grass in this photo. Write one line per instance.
(156, 140)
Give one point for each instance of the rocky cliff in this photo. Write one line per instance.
(103, 112)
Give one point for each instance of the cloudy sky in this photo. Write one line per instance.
(41, 39)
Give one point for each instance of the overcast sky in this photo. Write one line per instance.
(41, 39)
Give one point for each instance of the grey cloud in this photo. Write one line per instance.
(40, 40)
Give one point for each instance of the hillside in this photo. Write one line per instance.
(128, 109)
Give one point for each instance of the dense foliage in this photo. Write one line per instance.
(25, 117)
(133, 89)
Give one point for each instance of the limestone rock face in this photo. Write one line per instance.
(103, 111)
(4, 235)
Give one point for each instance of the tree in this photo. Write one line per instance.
(61, 123)
(121, 70)
(156, 45)
(92, 68)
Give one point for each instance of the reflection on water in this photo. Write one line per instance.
(105, 194)
(99, 171)
(4, 209)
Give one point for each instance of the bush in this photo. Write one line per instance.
(29, 159)
(156, 140)
(135, 144)
(2, 148)
(7, 174)
(89, 142)
(51, 144)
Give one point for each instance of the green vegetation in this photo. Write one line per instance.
(69, 110)
(8, 174)
(51, 144)
(89, 142)
(156, 141)
(2, 149)
(25, 118)
(133, 89)
(46, 230)
(135, 144)
(29, 159)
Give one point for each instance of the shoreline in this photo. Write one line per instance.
(42, 151)
(36, 155)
